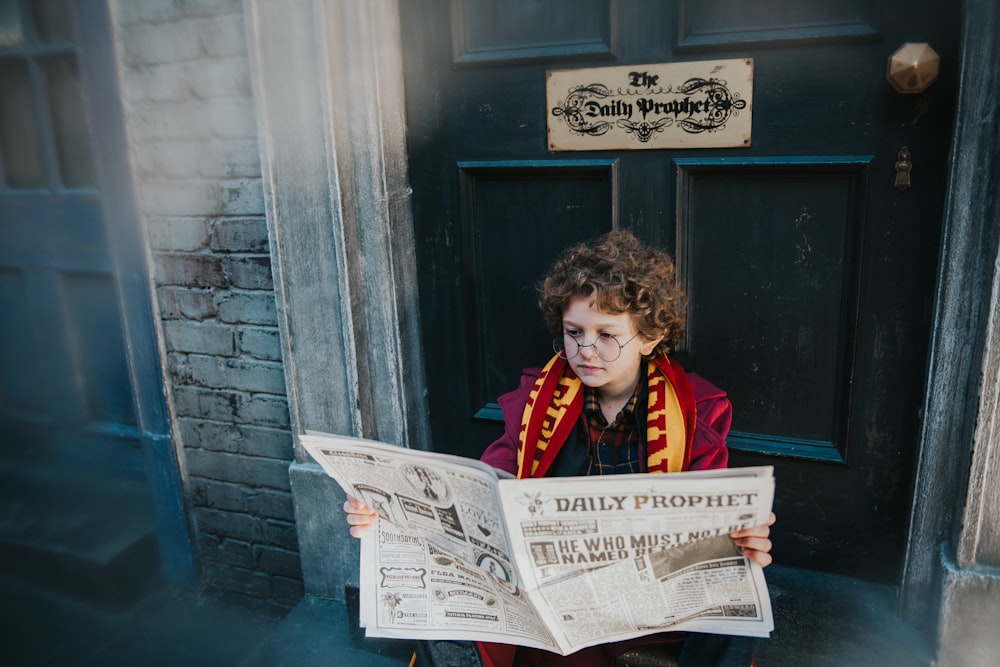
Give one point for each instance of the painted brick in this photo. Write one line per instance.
(176, 159)
(224, 551)
(239, 235)
(187, 336)
(206, 404)
(209, 435)
(170, 159)
(222, 36)
(243, 527)
(227, 159)
(156, 83)
(178, 234)
(182, 198)
(171, 120)
(238, 469)
(152, 11)
(232, 118)
(175, 365)
(227, 406)
(146, 44)
(211, 7)
(248, 582)
(241, 439)
(132, 11)
(248, 308)
(260, 343)
(264, 410)
(277, 561)
(249, 272)
(211, 494)
(240, 374)
(189, 270)
(272, 505)
(234, 525)
(167, 303)
(272, 443)
(241, 196)
(220, 80)
(280, 534)
(192, 304)
(194, 141)
(287, 591)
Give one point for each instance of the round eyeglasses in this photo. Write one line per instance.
(607, 347)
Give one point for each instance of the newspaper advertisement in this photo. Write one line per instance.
(464, 552)
(439, 565)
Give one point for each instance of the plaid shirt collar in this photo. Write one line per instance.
(613, 448)
(592, 407)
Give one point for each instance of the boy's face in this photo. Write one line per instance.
(586, 323)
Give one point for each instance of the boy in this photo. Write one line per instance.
(621, 405)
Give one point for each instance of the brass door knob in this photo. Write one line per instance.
(912, 68)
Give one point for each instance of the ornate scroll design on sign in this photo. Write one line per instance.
(697, 112)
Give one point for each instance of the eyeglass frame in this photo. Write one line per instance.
(559, 345)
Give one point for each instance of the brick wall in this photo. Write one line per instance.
(192, 135)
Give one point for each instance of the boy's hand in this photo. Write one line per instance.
(359, 516)
(755, 543)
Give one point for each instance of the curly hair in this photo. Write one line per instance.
(620, 275)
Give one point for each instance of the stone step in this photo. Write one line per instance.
(821, 620)
(83, 536)
(320, 632)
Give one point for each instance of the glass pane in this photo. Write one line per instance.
(11, 32)
(69, 123)
(52, 21)
(19, 142)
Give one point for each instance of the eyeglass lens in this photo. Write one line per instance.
(607, 347)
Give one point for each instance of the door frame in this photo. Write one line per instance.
(130, 259)
(362, 45)
(952, 512)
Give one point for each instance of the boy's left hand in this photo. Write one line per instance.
(755, 543)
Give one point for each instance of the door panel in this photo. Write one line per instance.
(788, 280)
(518, 31)
(810, 275)
(66, 400)
(714, 24)
(567, 199)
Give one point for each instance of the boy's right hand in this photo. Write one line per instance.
(359, 516)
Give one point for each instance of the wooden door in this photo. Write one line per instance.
(810, 274)
(81, 390)
(67, 400)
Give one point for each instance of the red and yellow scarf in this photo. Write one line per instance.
(556, 401)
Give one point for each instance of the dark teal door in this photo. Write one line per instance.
(810, 275)
(81, 394)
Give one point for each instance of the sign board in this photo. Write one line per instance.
(703, 104)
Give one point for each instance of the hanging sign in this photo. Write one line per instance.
(674, 105)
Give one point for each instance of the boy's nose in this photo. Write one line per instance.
(588, 351)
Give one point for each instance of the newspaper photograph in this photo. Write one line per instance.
(463, 551)
(447, 500)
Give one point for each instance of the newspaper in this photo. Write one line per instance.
(464, 551)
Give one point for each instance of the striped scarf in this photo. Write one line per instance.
(556, 402)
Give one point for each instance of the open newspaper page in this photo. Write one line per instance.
(439, 565)
(610, 558)
(417, 591)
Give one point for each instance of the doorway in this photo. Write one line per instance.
(810, 275)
